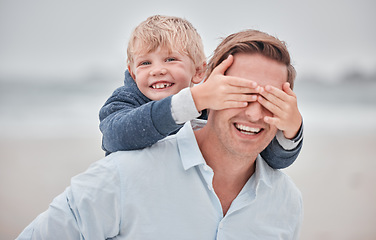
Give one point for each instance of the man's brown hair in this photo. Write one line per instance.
(253, 41)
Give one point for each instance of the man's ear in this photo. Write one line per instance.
(131, 72)
(200, 73)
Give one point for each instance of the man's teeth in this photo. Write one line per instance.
(247, 130)
(161, 85)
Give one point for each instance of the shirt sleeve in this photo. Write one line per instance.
(183, 108)
(289, 144)
(88, 209)
(279, 157)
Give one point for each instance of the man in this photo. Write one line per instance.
(206, 182)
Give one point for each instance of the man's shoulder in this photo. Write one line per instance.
(279, 181)
(287, 182)
(160, 151)
(287, 190)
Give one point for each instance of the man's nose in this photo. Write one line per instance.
(158, 69)
(255, 111)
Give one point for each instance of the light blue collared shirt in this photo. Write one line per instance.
(166, 192)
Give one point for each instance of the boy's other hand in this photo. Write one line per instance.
(283, 105)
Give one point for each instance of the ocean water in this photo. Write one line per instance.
(50, 109)
(343, 107)
(47, 109)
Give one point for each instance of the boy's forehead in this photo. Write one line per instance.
(143, 47)
(142, 51)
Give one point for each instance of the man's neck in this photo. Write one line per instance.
(231, 171)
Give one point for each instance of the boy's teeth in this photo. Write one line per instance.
(161, 85)
(247, 130)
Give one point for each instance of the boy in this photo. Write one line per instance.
(165, 58)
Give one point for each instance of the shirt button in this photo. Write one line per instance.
(210, 187)
(220, 226)
(206, 168)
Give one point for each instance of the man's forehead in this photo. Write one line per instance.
(258, 68)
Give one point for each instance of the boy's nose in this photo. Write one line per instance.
(158, 70)
(255, 112)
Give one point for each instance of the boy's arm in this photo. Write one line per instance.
(129, 120)
(282, 152)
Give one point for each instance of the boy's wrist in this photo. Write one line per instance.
(196, 92)
(183, 108)
(289, 144)
(294, 133)
(290, 135)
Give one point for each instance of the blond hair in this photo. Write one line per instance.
(253, 41)
(174, 33)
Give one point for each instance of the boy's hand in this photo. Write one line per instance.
(283, 105)
(221, 92)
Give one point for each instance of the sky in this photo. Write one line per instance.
(53, 40)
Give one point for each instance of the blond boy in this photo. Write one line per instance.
(165, 59)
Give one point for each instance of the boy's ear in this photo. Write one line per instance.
(200, 73)
(131, 72)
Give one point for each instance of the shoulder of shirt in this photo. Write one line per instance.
(285, 182)
(278, 179)
(171, 139)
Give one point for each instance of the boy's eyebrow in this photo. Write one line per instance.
(139, 56)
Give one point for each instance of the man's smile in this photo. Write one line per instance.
(247, 130)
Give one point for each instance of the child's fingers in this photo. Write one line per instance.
(240, 100)
(282, 94)
(241, 90)
(234, 104)
(270, 106)
(275, 91)
(272, 120)
(286, 88)
(246, 98)
(273, 98)
(240, 85)
(240, 82)
(223, 66)
(243, 97)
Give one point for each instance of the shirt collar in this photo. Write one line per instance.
(259, 179)
(188, 148)
(191, 155)
(263, 172)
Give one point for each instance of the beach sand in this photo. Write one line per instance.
(335, 174)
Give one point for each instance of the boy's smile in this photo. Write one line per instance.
(162, 73)
(161, 85)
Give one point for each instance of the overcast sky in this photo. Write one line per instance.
(46, 38)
